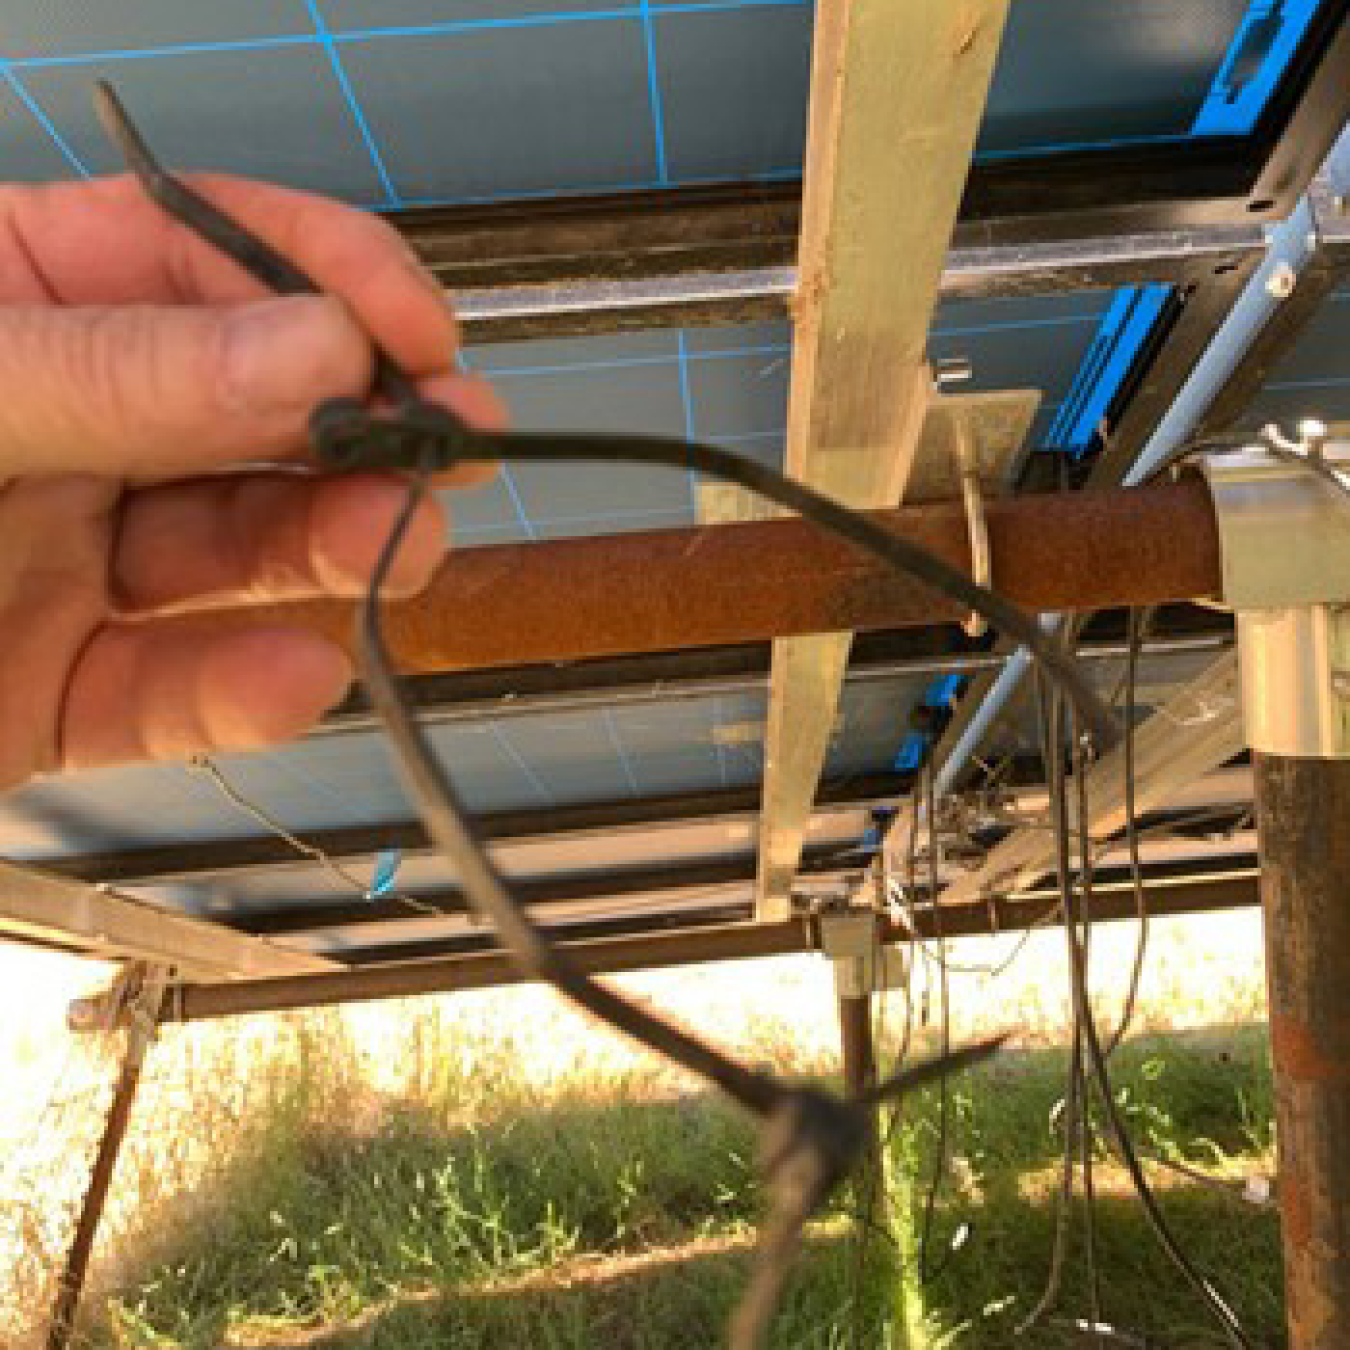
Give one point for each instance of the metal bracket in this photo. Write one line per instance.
(993, 428)
(1283, 512)
(1284, 539)
(862, 964)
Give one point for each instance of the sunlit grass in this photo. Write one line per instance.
(489, 1169)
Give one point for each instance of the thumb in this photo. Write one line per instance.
(147, 391)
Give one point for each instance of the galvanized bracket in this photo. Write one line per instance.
(1283, 512)
(966, 438)
(863, 964)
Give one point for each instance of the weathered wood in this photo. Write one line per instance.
(896, 97)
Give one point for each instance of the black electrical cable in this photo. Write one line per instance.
(1225, 1316)
(1085, 1118)
(928, 1269)
(1138, 627)
(1075, 1096)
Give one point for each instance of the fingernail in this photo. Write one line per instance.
(291, 352)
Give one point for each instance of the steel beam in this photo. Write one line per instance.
(223, 858)
(1204, 894)
(1196, 731)
(447, 697)
(724, 253)
(38, 905)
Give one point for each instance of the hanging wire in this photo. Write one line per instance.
(928, 1270)
(1138, 627)
(206, 765)
(1100, 1072)
(810, 1139)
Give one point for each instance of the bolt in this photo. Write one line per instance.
(1280, 284)
(952, 370)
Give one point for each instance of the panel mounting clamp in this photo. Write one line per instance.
(1283, 513)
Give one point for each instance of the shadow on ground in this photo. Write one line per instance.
(627, 1224)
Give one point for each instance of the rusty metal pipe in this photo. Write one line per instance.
(572, 599)
(1302, 806)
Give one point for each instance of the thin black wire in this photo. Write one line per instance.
(928, 1270)
(1139, 623)
(1085, 1119)
(1075, 1103)
(1102, 1078)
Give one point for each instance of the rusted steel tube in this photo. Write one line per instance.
(569, 599)
(855, 1041)
(1302, 805)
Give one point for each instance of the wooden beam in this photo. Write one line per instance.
(38, 906)
(1196, 731)
(897, 93)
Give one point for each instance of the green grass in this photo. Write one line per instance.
(486, 1213)
(1200, 1098)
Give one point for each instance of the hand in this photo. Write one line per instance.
(137, 365)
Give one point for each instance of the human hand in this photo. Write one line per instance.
(138, 366)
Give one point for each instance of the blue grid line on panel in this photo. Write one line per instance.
(596, 518)
(1054, 321)
(288, 766)
(38, 114)
(169, 49)
(607, 716)
(391, 197)
(687, 403)
(512, 491)
(654, 95)
(447, 29)
(550, 19)
(504, 470)
(516, 758)
(682, 355)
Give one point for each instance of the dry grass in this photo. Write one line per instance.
(216, 1094)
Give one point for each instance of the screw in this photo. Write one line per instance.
(1280, 284)
(1340, 683)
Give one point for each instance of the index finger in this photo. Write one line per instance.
(105, 243)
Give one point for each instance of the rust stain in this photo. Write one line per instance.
(1295, 1209)
(1299, 1055)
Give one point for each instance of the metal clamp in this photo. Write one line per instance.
(862, 964)
(1283, 513)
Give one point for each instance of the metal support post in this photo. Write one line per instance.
(144, 1005)
(855, 1035)
(1285, 544)
(1303, 804)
